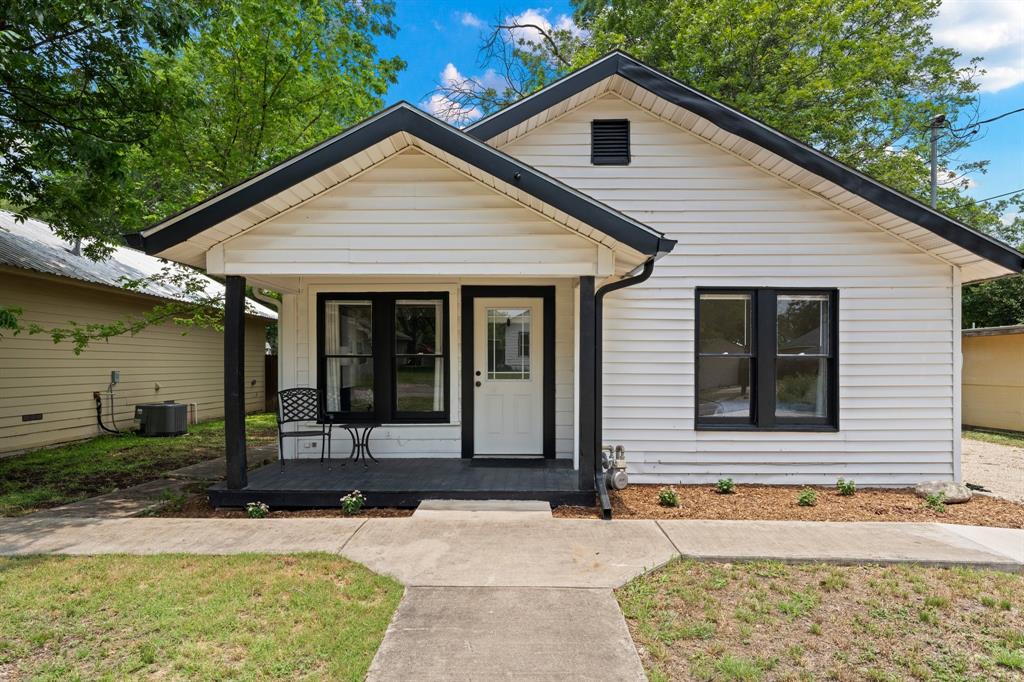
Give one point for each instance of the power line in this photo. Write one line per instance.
(981, 201)
(987, 120)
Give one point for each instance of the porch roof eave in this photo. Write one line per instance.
(189, 235)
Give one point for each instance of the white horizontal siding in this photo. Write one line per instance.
(737, 225)
(410, 215)
(299, 367)
(38, 376)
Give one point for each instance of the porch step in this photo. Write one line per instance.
(452, 509)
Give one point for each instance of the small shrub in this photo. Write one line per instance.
(936, 502)
(668, 497)
(846, 488)
(807, 498)
(352, 503)
(257, 510)
(834, 582)
(725, 486)
(1014, 660)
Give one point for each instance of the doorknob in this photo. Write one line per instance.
(478, 384)
(478, 372)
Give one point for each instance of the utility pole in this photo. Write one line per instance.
(936, 123)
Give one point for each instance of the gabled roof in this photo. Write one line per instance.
(401, 118)
(32, 245)
(619, 64)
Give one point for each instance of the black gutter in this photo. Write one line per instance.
(645, 274)
(760, 133)
(404, 118)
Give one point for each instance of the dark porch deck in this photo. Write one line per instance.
(405, 482)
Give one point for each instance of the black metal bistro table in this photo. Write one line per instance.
(360, 433)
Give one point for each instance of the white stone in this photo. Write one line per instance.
(953, 493)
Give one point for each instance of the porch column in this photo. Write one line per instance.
(234, 381)
(587, 367)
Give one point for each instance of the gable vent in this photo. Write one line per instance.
(609, 142)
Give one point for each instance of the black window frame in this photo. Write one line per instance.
(763, 356)
(611, 160)
(385, 375)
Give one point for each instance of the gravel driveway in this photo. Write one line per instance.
(1000, 468)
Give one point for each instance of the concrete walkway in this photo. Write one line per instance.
(518, 595)
(501, 549)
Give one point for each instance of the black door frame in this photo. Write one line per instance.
(469, 295)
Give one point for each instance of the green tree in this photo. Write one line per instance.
(75, 95)
(255, 82)
(264, 80)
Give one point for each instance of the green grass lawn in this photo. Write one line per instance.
(768, 621)
(55, 476)
(246, 617)
(1014, 439)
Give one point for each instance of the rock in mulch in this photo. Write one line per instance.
(952, 493)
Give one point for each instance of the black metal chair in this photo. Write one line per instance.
(302, 405)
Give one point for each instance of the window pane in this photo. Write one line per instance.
(349, 383)
(724, 323)
(800, 387)
(418, 326)
(802, 324)
(723, 387)
(508, 343)
(419, 383)
(348, 328)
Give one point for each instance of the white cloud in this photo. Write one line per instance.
(446, 109)
(451, 75)
(540, 18)
(470, 19)
(992, 29)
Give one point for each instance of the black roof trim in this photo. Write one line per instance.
(402, 117)
(731, 120)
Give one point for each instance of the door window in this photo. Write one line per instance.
(508, 344)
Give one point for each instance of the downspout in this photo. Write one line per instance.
(643, 276)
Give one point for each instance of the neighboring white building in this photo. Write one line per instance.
(46, 391)
(801, 321)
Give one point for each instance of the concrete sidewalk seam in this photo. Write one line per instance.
(349, 538)
(657, 522)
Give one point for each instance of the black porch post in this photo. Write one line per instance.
(234, 381)
(588, 342)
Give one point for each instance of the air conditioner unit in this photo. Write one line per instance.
(162, 419)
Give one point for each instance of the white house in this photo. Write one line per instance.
(716, 297)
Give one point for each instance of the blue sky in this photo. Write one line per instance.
(437, 33)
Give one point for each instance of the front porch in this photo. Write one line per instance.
(405, 482)
(434, 287)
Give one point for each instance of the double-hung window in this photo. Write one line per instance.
(767, 359)
(383, 357)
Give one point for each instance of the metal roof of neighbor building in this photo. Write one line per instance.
(995, 331)
(32, 245)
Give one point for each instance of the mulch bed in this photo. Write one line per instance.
(778, 503)
(199, 507)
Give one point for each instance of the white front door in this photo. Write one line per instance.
(508, 378)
